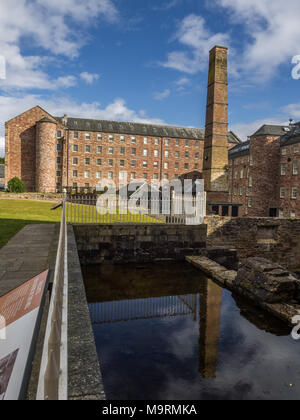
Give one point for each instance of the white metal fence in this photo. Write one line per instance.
(53, 379)
(83, 209)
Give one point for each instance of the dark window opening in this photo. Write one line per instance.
(235, 211)
(273, 212)
(225, 211)
(215, 210)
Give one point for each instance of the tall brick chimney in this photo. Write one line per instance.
(216, 128)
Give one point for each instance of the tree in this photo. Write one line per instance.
(2, 160)
(15, 185)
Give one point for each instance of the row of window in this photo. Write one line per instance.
(112, 137)
(284, 150)
(111, 175)
(284, 192)
(111, 162)
(111, 151)
(295, 168)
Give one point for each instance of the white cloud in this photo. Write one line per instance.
(292, 111)
(89, 78)
(273, 26)
(55, 26)
(243, 130)
(194, 34)
(159, 96)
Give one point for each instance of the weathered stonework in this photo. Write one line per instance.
(277, 240)
(113, 244)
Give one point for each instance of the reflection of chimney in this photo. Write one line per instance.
(216, 129)
(210, 314)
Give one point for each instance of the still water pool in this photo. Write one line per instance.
(165, 331)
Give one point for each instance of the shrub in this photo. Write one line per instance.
(15, 185)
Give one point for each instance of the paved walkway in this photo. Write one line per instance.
(27, 254)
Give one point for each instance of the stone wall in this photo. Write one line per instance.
(275, 239)
(32, 196)
(109, 244)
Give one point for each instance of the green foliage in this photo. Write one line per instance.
(15, 185)
(2, 160)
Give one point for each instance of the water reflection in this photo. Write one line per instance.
(170, 333)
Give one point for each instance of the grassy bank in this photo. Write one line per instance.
(15, 214)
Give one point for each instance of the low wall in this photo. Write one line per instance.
(32, 196)
(275, 239)
(113, 243)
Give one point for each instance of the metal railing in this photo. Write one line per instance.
(53, 378)
(82, 209)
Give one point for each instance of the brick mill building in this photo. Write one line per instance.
(258, 178)
(264, 173)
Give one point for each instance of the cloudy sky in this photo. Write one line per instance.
(146, 60)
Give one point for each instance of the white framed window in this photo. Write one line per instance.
(87, 161)
(59, 134)
(249, 202)
(156, 142)
(155, 176)
(145, 164)
(187, 143)
(122, 138)
(75, 161)
(145, 140)
(75, 135)
(99, 136)
(122, 175)
(87, 149)
(75, 147)
(110, 175)
(167, 142)
(133, 163)
(251, 161)
(177, 155)
(167, 153)
(197, 143)
(111, 137)
(122, 163)
(87, 174)
(280, 213)
(58, 174)
(145, 176)
(242, 174)
(110, 150)
(98, 174)
(186, 166)
(283, 151)
(295, 168)
(155, 164)
(74, 185)
(88, 136)
(166, 165)
(250, 181)
(294, 193)
(133, 139)
(296, 148)
(133, 151)
(283, 169)
(177, 142)
(241, 190)
(156, 153)
(293, 214)
(58, 147)
(75, 174)
(122, 150)
(99, 150)
(133, 175)
(99, 162)
(145, 152)
(282, 192)
(166, 176)
(110, 162)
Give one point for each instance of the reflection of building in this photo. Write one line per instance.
(210, 314)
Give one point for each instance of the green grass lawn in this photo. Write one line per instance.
(15, 214)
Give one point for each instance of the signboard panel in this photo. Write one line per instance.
(19, 321)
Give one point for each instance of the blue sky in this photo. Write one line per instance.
(146, 60)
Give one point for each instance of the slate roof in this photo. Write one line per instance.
(242, 149)
(2, 171)
(292, 137)
(271, 130)
(151, 130)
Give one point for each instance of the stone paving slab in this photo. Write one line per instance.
(25, 256)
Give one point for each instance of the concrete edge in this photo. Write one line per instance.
(85, 379)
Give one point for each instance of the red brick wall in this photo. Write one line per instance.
(289, 155)
(20, 150)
